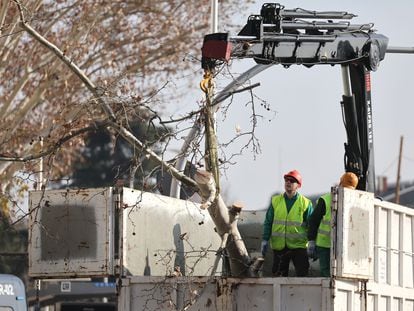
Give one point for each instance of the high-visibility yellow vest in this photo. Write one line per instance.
(323, 239)
(288, 229)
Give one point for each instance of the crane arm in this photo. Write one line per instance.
(302, 37)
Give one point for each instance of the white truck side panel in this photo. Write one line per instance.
(71, 233)
(389, 298)
(354, 250)
(394, 245)
(161, 233)
(228, 294)
(105, 231)
(392, 287)
(277, 294)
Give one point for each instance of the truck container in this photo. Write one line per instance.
(117, 231)
(372, 263)
(372, 255)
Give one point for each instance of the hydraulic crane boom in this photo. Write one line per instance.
(287, 37)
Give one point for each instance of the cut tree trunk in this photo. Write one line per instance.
(225, 219)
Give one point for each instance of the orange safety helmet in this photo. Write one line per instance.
(349, 180)
(295, 174)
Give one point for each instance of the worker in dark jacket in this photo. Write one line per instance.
(285, 226)
(319, 231)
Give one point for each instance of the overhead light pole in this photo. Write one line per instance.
(214, 16)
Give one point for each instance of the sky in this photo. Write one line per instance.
(301, 126)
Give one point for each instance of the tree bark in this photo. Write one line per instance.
(225, 220)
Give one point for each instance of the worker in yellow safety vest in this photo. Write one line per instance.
(285, 226)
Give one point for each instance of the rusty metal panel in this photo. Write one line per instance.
(355, 234)
(71, 233)
(162, 235)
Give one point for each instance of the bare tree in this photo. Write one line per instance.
(125, 47)
(63, 88)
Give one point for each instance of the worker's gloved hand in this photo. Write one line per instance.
(264, 247)
(312, 249)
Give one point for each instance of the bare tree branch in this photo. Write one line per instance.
(99, 96)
